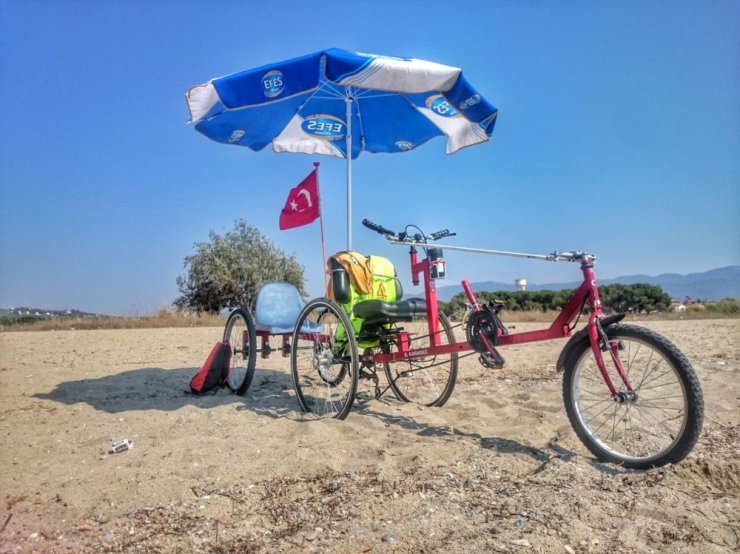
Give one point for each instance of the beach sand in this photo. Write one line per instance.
(497, 469)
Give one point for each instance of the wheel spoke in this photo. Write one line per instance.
(653, 426)
(428, 380)
(324, 360)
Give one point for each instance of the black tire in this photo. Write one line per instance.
(324, 360)
(241, 335)
(660, 426)
(428, 380)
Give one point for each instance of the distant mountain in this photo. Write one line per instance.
(715, 284)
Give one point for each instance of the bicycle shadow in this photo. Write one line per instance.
(270, 394)
(498, 445)
(155, 388)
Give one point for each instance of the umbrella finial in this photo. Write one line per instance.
(316, 164)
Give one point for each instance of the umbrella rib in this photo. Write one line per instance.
(332, 89)
(360, 120)
(325, 87)
(341, 98)
(369, 93)
(330, 94)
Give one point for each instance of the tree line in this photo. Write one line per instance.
(639, 297)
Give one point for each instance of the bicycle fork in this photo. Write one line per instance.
(600, 342)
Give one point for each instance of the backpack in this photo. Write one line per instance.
(362, 278)
(215, 370)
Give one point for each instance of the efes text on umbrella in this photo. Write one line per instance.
(324, 126)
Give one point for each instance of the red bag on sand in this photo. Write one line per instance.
(215, 371)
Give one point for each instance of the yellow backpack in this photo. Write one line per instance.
(356, 278)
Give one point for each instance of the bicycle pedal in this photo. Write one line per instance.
(490, 361)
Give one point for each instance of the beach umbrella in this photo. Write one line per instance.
(340, 103)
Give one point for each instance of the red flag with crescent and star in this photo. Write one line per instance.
(302, 205)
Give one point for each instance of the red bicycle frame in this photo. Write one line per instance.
(587, 292)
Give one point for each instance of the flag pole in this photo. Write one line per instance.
(348, 155)
(321, 225)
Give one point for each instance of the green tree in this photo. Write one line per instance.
(637, 297)
(227, 271)
(456, 307)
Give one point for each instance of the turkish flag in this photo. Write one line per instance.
(302, 205)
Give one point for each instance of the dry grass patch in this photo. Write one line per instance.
(164, 318)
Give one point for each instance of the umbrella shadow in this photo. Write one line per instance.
(155, 388)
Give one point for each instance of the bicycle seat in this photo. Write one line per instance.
(277, 307)
(378, 312)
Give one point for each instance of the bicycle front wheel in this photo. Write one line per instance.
(241, 335)
(659, 424)
(324, 360)
(428, 379)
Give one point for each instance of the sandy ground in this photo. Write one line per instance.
(498, 469)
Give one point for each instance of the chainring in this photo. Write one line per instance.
(485, 323)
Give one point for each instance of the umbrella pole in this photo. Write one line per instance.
(348, 103)
(321, 225)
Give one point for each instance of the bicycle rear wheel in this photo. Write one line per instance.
(324, 360)
(660, 425)
(241, 335)
(429, 379)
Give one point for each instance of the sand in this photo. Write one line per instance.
(497, 469)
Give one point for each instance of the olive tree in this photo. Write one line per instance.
(228, 270)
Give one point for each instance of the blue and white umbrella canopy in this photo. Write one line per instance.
(334, 102)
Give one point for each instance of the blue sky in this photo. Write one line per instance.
(618, 133)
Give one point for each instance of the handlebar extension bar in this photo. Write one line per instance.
(403, 238)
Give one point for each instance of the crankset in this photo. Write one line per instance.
(482, 332)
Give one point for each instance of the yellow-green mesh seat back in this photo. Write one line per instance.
(384, 287)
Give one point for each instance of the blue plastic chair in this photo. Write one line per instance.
(277, 308)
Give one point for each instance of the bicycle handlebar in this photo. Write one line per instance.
(404, 236)
(378, 228)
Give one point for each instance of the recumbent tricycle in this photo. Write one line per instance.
(631, 396)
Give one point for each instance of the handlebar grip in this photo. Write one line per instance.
(377, 228)
(441, 234)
